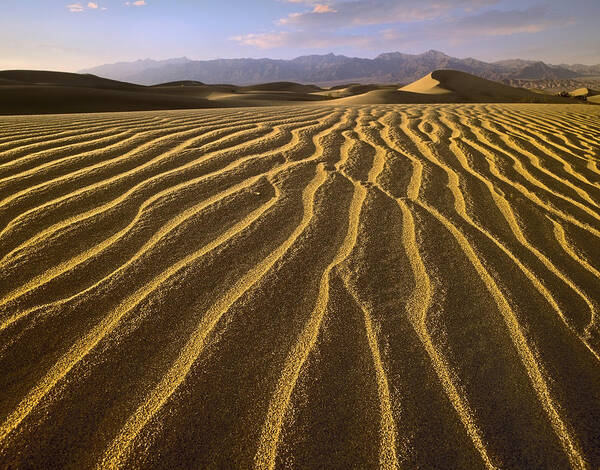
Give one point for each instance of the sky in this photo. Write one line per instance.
(72, 35)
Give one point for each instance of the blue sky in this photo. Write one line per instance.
(70, 35)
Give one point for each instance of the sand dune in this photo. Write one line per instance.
(41, 99)
(40, 92)
(584, 92)
(451, 86)
(33, 92)
(392, 96)
(374, 286)
(282, 86)
(180, 83)
(47, 78)
(593, 96)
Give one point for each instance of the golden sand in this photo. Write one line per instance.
(371, 286)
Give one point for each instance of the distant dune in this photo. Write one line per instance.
(49, 78)
(40, 99)
(43, 92)
(282, 86)
(312, 287)
(451, 86)
(587, 92)
(391, 96)
(179, 83)
(39, 92)
(462, 86)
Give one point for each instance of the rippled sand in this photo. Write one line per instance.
(394, 286)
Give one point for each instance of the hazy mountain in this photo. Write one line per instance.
(583, 70)
(124, 70)
(391, 67)
(514, 63)
(540, 70)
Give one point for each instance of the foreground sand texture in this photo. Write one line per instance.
(400, 286)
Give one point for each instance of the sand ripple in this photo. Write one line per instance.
(386, 286)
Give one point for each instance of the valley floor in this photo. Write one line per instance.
(390, 286)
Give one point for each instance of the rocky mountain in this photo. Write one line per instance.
(330, 69)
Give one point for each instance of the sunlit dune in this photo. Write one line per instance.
(459, 86)
(339, 284)
(584, 92)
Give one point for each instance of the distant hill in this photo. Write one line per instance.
(331, 69)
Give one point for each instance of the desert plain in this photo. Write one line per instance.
(350, 283)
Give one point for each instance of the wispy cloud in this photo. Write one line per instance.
(372, 12)
(264, 40)
(75, 7)
(316, 40)
(325, 24)
(487, 24)
(505, 22)
(79, 7)
(321, 8)
(137, 3)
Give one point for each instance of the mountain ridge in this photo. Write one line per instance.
(388, 67)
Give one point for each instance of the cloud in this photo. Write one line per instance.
(330, 24)
(75, 7)
(264, 40)
(137, 3)
(372, 12)
(306, 39)
(79, 7)
(534, 19)
(485, 25)
(319, 8)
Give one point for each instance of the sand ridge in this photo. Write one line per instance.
(216, 288)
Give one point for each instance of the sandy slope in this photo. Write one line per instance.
(410, 286)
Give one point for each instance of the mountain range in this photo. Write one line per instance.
(331, 69)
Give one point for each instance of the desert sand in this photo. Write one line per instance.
(319, 286)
